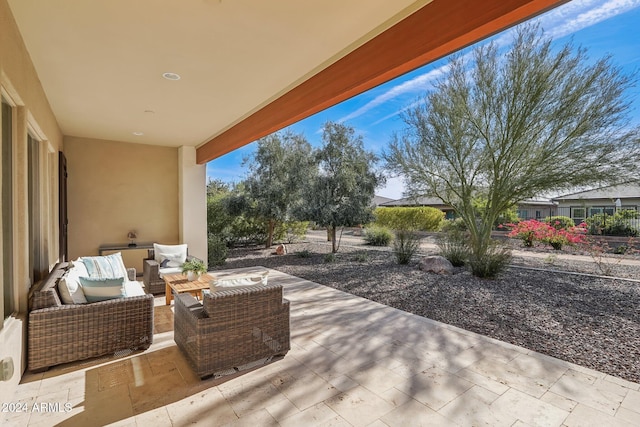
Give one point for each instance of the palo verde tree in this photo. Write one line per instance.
(279, 170)
(505, 127)
(342, 192)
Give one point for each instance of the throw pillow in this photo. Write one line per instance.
(171, 260)
(173, 253)
(96, 289)
(70, 288)
(105, 267)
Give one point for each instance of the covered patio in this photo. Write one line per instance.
(352, 362)
(91, 94)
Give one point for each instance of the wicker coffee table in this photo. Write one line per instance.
(179, 283)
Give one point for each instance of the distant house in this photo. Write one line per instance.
(607, 200)
(378, 200)
(536, 209)
(528, 209)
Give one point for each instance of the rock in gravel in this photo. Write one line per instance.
(281, 250)
(436, 264)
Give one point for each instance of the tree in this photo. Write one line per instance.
(516, 125)
(342, 192)
(279, 169)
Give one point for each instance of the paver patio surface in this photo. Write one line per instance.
(353, 362)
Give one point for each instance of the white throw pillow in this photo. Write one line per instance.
(241, 277)
(70, 288)
(172, 260)
(174, 254)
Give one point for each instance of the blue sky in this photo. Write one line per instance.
(604, 27)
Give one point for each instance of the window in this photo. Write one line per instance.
(523, 214)
(35, 236)
(8, 305)
(597, 210)
(578, 214)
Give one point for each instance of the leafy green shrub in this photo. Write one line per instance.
(245, 231)
(405, 246)
(613, 225)
(422, 218)
(378, 236)
(291, 231)
(453, 245)
(560, 222)
(620, 250)
(452, 225)
(303, 253)
(218, 250)
(329, 258)
(494, 261)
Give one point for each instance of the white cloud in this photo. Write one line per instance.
(416, 84)
(578, 15)
(564, 20)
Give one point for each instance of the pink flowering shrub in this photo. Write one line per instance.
(532, 231)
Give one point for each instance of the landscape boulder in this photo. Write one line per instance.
(436, 264)
(281, 250)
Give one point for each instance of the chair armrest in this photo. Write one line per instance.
(150, 271)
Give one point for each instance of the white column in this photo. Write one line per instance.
(192, 215)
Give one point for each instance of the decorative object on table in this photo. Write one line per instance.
(193, 268)
(132, 235)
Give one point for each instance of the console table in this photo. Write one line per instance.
(130, 256)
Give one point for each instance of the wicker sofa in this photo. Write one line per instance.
(232, 329)
(60, 333)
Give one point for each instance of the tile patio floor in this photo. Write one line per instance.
(352, 362)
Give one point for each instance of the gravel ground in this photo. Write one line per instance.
(590, 321)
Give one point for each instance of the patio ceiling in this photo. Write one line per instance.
(247, 67)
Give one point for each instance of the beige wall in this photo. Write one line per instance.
(20, 85)
(193, 202)
(115, 187)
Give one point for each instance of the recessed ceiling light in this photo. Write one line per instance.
(171, 76)
(138, 133)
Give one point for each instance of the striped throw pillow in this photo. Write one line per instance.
(102, 289)
(105, 267)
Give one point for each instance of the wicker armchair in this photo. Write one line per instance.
(60, 333)
(233, 329)
(151, 274)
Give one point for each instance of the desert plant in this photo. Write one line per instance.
(305, 253)
(543, 109)
(598, 250)
(532, 230)
(405, 246)
(361, 257)
(453, 245)
(329, 258)
(217, 249)
(492, 262)
(378, 236)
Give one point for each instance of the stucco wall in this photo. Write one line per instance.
(21, 86)
(115, 187)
